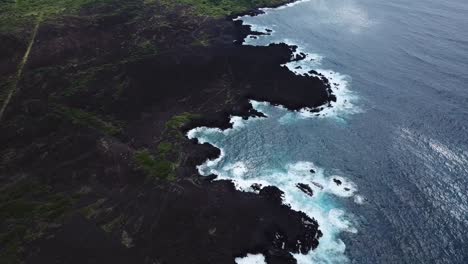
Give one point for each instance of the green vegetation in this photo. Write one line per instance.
(30, 210)
(178, 121)
(85, 80)
(174, 125)
(164, 149)
(94, 209)
(9, 92)
(159, 165)
(19, 202)
(220, 8)
(82, 80)
(145, 47)
(11, 245)
(114, 224)
(24, 217)
(87, 119)
(154, 167)
(20, 13)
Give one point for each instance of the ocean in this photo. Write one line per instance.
(388, 162)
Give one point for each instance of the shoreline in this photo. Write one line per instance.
(89, 159)
(248, 112)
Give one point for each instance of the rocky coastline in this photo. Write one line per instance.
(98, 120)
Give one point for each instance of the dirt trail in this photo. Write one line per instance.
(14, 86)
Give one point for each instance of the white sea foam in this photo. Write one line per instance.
(332, 221)
(320, 206)
(251, 259)
(237, 169)
(348, 13)
(359, 199)
(327, 189)
(268, 9)
(346, 99)
(259, 106)
(200, 133)
(345, 103)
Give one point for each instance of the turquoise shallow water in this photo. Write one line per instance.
(398, 137)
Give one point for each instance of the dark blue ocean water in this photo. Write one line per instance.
(399, 142)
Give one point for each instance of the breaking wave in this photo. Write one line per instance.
(327, 189)
(239, 160)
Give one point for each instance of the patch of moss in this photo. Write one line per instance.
(82, 80)
(154, 167)
(159, 166)
(79, 83)
(93, 210)
(17, 209)
(55, 208)
(114, 224)
(173, 126)
(145, 47)
(178, 121)
(202, 41)
(26, 210)
(22, 188)
(121, 87)
(87, 119)
(165, 148)
(31, 201)
(11, 246)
